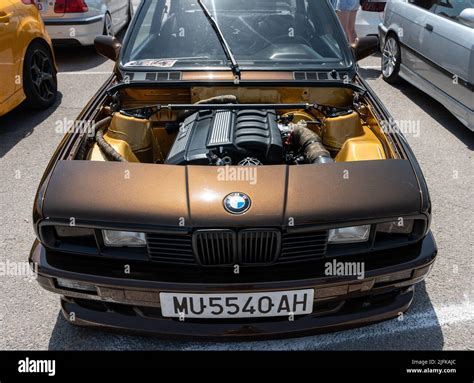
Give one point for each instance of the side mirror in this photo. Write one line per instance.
(466, 17)
(365, 47)
(108, 46)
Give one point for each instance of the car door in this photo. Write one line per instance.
(412, 18)
(124, 12)
(448, 48)
(118, 10)
(9, 63)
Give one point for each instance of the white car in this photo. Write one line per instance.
(431, 45)
(78, 22)
(370, 15)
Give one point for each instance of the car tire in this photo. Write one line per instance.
(108, 25)
(391, 59)
(39, 77)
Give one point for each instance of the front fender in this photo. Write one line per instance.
(391, 21)
(29, 30)
(89, 112)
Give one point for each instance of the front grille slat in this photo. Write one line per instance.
(228, 247)
(300, 247)
(268, 241)
(173, 259)
(171, 252)
(289, 241)
(207, 253)
(304, 247)
(203, 249)
(212, 251)
(213, 248)
(174, 239)
(259, 246)
(271, 246)
(170, 248)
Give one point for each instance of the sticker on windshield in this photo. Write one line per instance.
(155, 63)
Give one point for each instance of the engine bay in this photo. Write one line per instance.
(237, 129)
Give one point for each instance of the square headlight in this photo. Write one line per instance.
(69, 238)
(353, 234)
(114, 238)
(73, 232)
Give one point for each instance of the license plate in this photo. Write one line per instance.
(42, 5)
(238, 305)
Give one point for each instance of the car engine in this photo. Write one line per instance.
(228, 137)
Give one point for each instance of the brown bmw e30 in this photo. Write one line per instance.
(234, 177)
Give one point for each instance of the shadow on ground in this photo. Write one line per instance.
(432, 107)
(418, 330)
(76, 59)
(21, 122)
(370, 74)
(80, 58)
(437, 111)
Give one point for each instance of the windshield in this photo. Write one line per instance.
(262, 34)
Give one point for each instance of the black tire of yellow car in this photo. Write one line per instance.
(39, 77)
(391, 55)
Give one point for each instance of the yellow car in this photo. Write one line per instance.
(27, 66)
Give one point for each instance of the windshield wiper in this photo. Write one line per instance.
(225, 46)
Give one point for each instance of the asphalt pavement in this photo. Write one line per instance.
(442, 316)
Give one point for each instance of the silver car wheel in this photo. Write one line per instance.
(108, 29)
(389, 57)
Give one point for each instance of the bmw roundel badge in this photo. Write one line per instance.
(237, 203)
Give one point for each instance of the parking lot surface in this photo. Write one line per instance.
(442, 316)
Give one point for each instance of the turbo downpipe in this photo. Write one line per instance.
(313, 148)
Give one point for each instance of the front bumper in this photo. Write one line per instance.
(367, 22)
(80, 31)
(339, 302)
